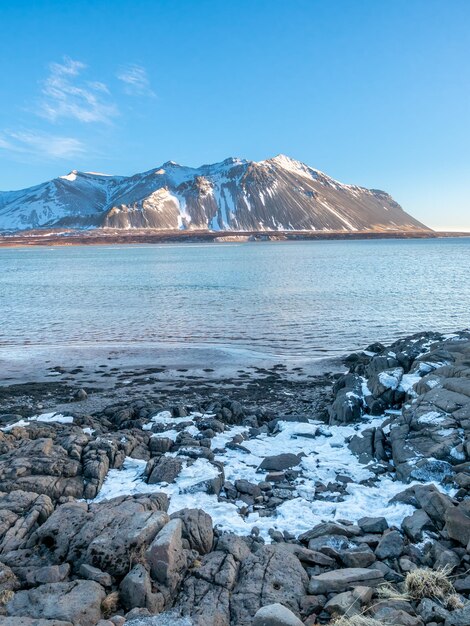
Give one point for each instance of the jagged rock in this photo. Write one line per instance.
(106, 535)
(269, 576)
(166, 470)
(390, 546)
(413, 525)
(373, 524)
(21, 512)
(280, 462)
(344, 579)
(205, 596)
(197, 529)
(457, 523)
(166, 557)
(275, 615)
(93, 573)
(43, 575)
(78, 602)
(135, 590)
(330, 528)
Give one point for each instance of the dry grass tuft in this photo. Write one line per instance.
(5, 596)
(390, 593)
(110, 604)
(357, 620)
(428, 583)
(454, 602)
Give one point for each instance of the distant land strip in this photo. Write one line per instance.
(146, 236)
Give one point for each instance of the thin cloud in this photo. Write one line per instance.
(40, 144)
(136, 81)
(65, 95)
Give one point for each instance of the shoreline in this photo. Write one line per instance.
(313, 483)
(71, 237)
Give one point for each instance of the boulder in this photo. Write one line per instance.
(165, 555)
(135, 591)
(343, 579)
(166, 470)
(197, 529)
(205, 595)
(107, 535)
(280, 462)
(390, 546)
(373, 524)
(415, 524)
(78, 602)
(269, 576)
(457, 523)
(275, 615)
(21, 513)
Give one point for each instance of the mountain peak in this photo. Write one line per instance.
(71, 175)
(279, 193)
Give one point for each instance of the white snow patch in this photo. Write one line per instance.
(326, 455)
(432, 417)
(43, 417)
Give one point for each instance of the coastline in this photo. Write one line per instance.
(148, 236)
(313, 483)
(48, 378)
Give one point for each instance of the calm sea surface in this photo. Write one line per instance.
(306, 298)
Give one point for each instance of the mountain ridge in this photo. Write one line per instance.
(279, 193)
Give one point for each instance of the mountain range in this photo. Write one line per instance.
(234, 195)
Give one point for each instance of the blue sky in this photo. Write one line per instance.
(372, 92)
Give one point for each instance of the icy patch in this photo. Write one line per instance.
(325, 455)
(88, 431)
(432, 417)
(432, 470)
(166, 418)
(391, 379)
(43, 417)
(446, 432)
(130, 480)
(457, 454)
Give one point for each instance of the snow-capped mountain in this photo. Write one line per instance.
(238, 195)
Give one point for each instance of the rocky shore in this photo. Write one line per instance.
(340, 499)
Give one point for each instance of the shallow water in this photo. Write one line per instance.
(307, 299)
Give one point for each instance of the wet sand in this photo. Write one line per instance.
(49, 377)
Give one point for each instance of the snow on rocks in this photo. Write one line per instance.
(319, 454)
(219, 513)
(47, 418)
